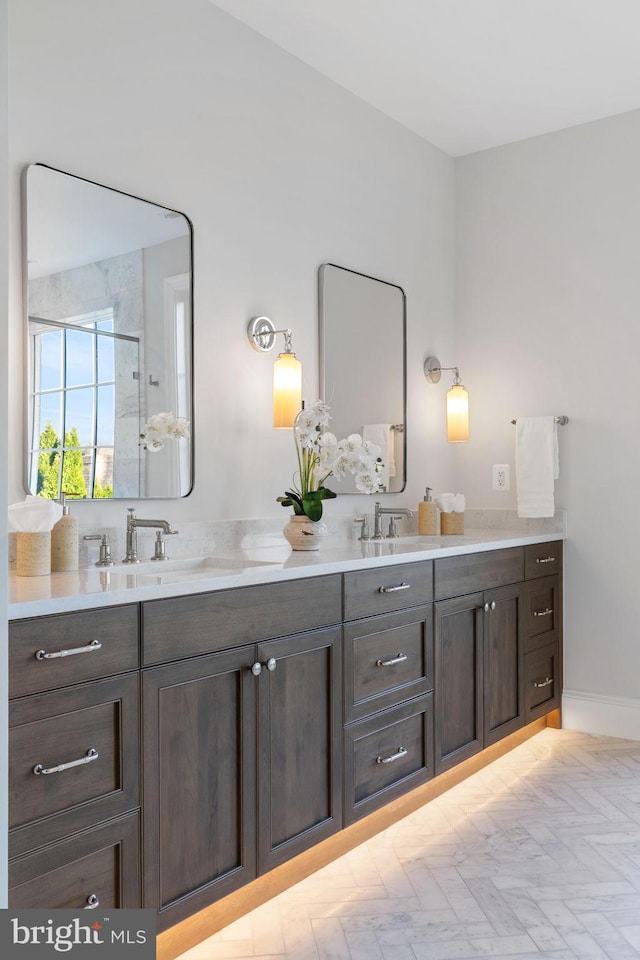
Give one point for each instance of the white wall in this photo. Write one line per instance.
(548, 260)
(280, 170)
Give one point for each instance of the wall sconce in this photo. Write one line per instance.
(457, 401)
(287, 371)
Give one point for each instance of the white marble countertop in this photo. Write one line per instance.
(91, 587)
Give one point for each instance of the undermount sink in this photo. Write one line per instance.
(187, 568)
(415, 538)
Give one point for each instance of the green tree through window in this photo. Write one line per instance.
(73, 481)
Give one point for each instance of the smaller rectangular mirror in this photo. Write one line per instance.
(363, 363)
(109, 330)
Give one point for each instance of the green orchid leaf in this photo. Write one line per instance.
(292, 499)
(312, 508)
(322, 493)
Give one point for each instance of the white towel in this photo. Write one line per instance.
(537, 465)
(383, 435)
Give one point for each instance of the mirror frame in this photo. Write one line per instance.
(322, 363)
(28, 413)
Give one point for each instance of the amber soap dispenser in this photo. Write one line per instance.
(427, 515)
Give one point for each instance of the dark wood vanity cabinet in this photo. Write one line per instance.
(73, 760)
(242, 759)
(272, 716)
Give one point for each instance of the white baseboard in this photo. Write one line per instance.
(601, 715)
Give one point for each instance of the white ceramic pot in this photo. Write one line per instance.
(304, 534)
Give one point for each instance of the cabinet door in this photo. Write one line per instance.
(73, 760)
(96, 868)
(503, 662)
(459, 679)
(543, 681)
(387, 755)
(299, 744)
(387, 659)
(544, 612)
(199, 781)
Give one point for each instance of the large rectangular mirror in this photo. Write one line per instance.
(363, 364)
(109, 308)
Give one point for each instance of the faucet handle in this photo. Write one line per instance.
(364, 531)
(104, 560)
(393, 532)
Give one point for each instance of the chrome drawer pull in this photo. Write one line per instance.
(90, 647)
(399, 658)
(394, 756)
(545, 559)
(400, 586)
(544, 683)
(543, 613)
(92, 902)
(90, 755)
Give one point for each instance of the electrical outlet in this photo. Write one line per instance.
(501, 476)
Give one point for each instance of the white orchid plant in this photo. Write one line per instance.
(163, 426)
(321, 455)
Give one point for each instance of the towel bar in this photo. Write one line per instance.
(561, 420)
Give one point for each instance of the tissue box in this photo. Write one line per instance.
(451, 523)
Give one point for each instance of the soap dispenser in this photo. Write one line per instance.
(64, 541)
(427, 515)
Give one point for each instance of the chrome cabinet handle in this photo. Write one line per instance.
(401, 752)
(256, 668)
(486, 608)
(543, 613)
(90, 755)
(493, 604)
(544, 683)
(271, 664)
(90, 647)
(92, 902)
(545, 559)
(399, 586)
(399, 658)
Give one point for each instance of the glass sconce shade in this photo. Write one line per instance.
(457, 414)
(287, 370)
(457, 401)
(287, 390)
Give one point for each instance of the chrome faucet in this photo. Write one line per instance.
(133, 522)
(396, 513)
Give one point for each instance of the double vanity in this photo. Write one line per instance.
(179, 731)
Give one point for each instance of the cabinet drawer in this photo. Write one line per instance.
(544, 612)
(382, 589)
(542, 559)
(101, 865)
(185, 626)
(457, 576)
(103, 642)
(387, 659)
(50, 795)
(388, 755)
(543, 681)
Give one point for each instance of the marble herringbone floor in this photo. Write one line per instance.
(536, 857)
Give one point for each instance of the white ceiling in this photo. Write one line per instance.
(466, 74)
